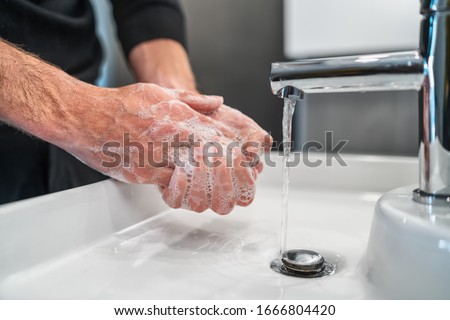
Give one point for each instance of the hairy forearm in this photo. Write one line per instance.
(38, 97)
(164, 62)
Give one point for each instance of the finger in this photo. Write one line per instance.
(259, 167)
(246, 130)
(215, 129)
(222, 197)
(160, 176)
(196, 199)
(174, 193)
(235, 119)
(243, 181)
(199, 102)
(260, 138)
(267, 142)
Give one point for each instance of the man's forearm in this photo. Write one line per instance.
(37, 97)
(163, 62)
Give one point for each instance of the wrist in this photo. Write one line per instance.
(85, 116)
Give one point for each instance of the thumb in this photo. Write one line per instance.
(161, 176)
(200, 102)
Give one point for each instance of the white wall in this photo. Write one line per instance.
(334, 27)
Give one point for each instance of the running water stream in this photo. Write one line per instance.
(288, 112)
(295, 262)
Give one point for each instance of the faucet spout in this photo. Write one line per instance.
(426, 70)
(374, 72)
(290, 92)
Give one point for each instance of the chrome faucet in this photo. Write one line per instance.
(426, 70)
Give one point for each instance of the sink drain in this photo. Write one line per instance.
(303, 264)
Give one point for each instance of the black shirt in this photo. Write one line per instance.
(63, 31)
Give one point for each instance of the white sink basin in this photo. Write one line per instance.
(115, 241)
(408, 255)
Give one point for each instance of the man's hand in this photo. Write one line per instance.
(144, 133)
(166, 63)
(247, 131)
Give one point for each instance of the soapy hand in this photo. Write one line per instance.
(182, 141)
(254, 139)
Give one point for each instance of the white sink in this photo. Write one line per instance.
(115, 241)
(408, 255)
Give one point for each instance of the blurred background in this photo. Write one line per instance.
(232, 44)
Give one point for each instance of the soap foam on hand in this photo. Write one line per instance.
(152, 117)
(213, 185)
